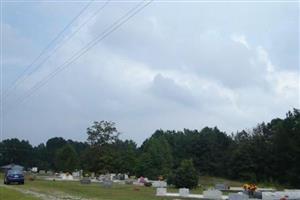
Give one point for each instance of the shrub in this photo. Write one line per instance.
(186, 175)
(148, 184)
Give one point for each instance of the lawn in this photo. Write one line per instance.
(10, 194)
(74, 190)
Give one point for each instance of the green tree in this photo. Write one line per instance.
(16, 151)
(66, 159)
(155, 158)
(186, 175)
(101, 133)
(101, 154)
(52, 145)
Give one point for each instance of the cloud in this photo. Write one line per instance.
(171, 70)
(240, 39)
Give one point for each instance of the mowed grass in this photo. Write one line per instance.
(95, 191)
(11, 194)
(91, 191)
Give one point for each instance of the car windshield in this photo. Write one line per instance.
(14, 172)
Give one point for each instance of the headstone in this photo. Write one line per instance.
(126, 176)
(85, 180)
(159, 184)
(142, 180)
(76, 174)
(212, 194)
(236, 196)
(221, 186)
(107, 183)
(66, 176)
(184, 192)
(42, 172)
(161, 191)
(50, 173)
(129, 182)
(34, 169)
(257, 195)
(280, 195)
(112, 176)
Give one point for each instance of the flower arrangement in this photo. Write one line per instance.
(160, 178)
(250, 187)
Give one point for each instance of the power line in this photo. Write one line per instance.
(118, 23)
(62, 44)
(22, 74)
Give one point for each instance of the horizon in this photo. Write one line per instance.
(139, 144)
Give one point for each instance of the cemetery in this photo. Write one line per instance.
(214, 194)
(77, 185)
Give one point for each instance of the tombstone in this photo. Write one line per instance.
(184, 192)
(107, 183)
(42, 172)
(274, 195)
(142, 180)
(93, 175)
(221, 186)
(112, 176)
(76, 174)
(126, 176)
(66, 176)
(50, 173)
(212, 194)
(34, 169)
(85, 180)
(257, 195)
(161, 191)
(159, 184)
(129, 182)
(237, 196)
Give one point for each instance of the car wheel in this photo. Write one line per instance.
(22, 183)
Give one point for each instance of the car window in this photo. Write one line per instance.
(14, 172)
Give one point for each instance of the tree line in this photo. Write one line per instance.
(270, 152)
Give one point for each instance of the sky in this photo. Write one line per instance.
(173, 65)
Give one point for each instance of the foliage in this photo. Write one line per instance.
(270, 152)
(186, 175)
(155, 158)
(101, 133)
(66, 159)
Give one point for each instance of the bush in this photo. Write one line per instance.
(171, 179)
(148, 184)
(186, 175)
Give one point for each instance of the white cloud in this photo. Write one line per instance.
(161, 70)
(240, 39)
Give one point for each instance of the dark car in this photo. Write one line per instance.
(14, 176)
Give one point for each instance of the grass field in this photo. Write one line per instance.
(11, 194)
(56, 190)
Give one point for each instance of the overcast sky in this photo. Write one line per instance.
(174, 65)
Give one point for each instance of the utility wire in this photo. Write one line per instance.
(61, 45)
(117, 24)
(16, 82)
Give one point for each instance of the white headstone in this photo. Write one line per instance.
(236, 196)
(279, 195)
(159, 184)
(34, 169)
(212, 194)
(184, 192)
(161, 191)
